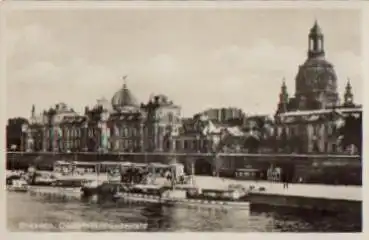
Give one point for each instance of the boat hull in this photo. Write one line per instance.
(17, 189)
(185, 202)
(56, 193)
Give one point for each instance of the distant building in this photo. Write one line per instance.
(225, 115)
(310, 121)
(57, 129)
(162, 122)
(259, 133)
(198, 134)
(14, 134)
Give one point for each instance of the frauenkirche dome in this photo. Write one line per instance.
(316, 80)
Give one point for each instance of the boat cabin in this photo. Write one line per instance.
(75, 167)
(216, 194)
(85, 167)
(158, 169)
(248, 173)
(107, 167)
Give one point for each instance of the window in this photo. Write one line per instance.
(167, 144)
(292, 131)
(185, 144)
(170, 117)
(330, 129)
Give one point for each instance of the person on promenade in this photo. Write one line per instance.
(285, 180)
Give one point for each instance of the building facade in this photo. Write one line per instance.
(162, 122)
(225, 115)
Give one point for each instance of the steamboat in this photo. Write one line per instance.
(153, 183)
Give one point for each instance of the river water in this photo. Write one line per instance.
(28, 213)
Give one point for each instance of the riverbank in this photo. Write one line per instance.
(339, 192)
(304, 196)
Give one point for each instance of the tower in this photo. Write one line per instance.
(283, 98)
(316, 42)
(348, 96)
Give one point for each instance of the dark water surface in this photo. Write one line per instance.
(28, 213)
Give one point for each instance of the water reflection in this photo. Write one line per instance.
(23, 208)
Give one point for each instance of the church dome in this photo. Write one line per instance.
(316, 74)
(124, 99)
(316, 80)
(317, 62)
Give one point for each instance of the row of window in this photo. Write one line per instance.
(315, 129)
(192, 144)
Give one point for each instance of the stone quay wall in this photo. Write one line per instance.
(305, 202)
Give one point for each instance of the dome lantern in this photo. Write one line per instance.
(316, 42)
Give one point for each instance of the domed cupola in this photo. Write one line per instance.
(316, 80)
(124, 99)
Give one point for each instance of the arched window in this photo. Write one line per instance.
(311, 44)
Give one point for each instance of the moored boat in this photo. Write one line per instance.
(228, 199)
(18, 185)
(175, 189)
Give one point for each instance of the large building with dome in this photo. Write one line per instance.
(120, 125)
(309, 121)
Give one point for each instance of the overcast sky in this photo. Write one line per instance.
(199, 58)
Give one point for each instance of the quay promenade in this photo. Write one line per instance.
(339, 192)
(337, 199)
